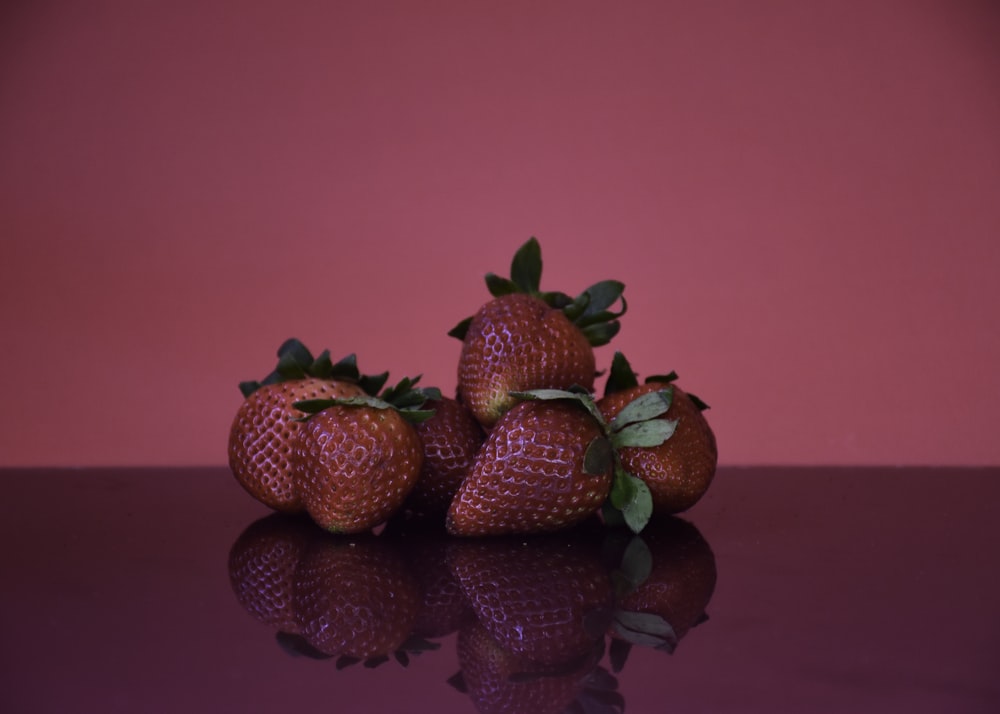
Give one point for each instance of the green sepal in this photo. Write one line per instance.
(295, 350)
(372, 383)
(248, 388)
(645, 628)
(652, 432)
(662, 378)
(575, 309)
(601, 333)
(558, 300)
(630, 495)
(289, 367)
(697, 402)
(295, 361)
(526, 267)
(460, 330)
(599, 458)
(499, 286)
(577, 394)
(621, 376)
(642, 408)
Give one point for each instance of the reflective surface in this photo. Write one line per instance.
(826, 590)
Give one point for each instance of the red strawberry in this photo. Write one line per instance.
(545, 599)
(354, 598)
(525, 339)
(358, 459)
(534, 472)
(679, 471)
(264, 430)
(499, 682)
(262, 565)
(451, 439)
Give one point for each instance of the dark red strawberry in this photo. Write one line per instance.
(451, 439)
(526, 339)
(500, 682)
(354, 598)
(536, 472)
(358, 459)
(545, 599)
(265, 429)
(262, 565)
(679, 471)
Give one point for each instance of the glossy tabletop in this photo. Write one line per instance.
(789, 589)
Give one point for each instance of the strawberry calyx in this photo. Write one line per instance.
(639, 424)
(591, 311)
(621, 376)
(404, 397)
(296, 361)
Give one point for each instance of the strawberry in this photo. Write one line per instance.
(540, 598)
(679, 471)
(537, 471)
(359, 458)
(354, 598)
(262, 564)
(264, 431)
(451, 439)
(525, 339)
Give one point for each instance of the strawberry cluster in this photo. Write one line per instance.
(534, 622)
(525, 446)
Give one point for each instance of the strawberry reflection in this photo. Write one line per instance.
(542, 623)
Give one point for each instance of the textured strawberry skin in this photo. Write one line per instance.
(354, 598)
(534, 597)
(262, 564)
(356, 466)
(528, 476)
(451, 439)
(679, 471)
(516, 343)
(263, 436)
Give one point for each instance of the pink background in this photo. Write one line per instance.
(803, 199)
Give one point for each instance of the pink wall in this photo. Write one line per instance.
(803, 198)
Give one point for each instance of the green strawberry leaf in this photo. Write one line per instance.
(499, 286)
(645, 433)
(290, 366)
(372, 383)
(601, 333)
(621, 376)
(460, 330)
(345, 368)
(630, 495)
(642, 408)
(603, 295)
(665, 378)
(576, 394)
(645, 628)
(697, 402)
(249, 387)
(575, 310)
(612, 516)
(526, 267)
(293, 349)
(599, 458)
